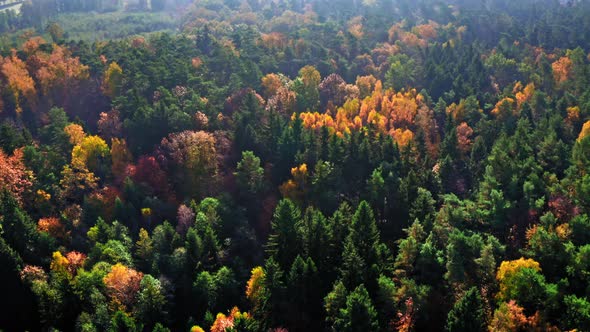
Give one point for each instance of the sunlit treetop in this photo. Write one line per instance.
(585, 131)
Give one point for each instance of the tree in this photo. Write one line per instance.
(109, 124)
(508, 317)
(185, 217)
(467, 314)
(112, 81)
(508, 269)
(401, 72)
(585, 131)
(91, 153)
(423, 208)
(577, 316)
(296, 189)
(409, 248)
(14, 175)
(194, 157)
(53, 226)
(270, 308)
(334, 302)
(254, 285)
(305, 301)
(60, 70)
(55, 31)
(121, 158)
(365, 235)
(122, 322)
(562, 69)
(235, 321)
(20, 232)
(524, 284)
(151, 302)
(123, 284)
(149, 173)
(307, 88)
(462, 251)
(250, 176)
(249, 129)
(271, 83)
(19, 80)
(354, 268)
(315, 234)
(282, 244)
(205, 231)
(385, 301)
(359, 313)
(165, 241)
(75, 133)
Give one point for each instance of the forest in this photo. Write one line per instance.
(295, 165)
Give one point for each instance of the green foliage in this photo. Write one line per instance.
(401, 73)
(358, 314)
(282, 245)
(577, 314)
(467, 314)
(249, 174)
(151, 302)
(487, 163)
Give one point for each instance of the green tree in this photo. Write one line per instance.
(315, 236)
(122, 322)
(250, 175)
(423, 208)
(304, 298)
(271, 311)
(467, 314)
(402, 72)
(359, 313)
(577, 314)
(283, 244)
(144, 250)
(334, 302)
(151, 302)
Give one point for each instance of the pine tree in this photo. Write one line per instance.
(304, 299)
(283, 244)
(334, 302)
(359, 313)
(467, 314)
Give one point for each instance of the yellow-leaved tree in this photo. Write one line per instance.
(113, 78)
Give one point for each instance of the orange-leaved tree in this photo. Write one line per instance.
(14, 176)
(122, 284)
(19, 81)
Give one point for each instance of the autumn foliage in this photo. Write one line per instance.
(112, 80)
(223, 323)
(52, 226)
(508, 269)
(75, 133)
(562, 69)
(14, 176)
(296, 188)
(585, 131)
(122, 284)
(388, 112)
(19, 80)
(194, 158)
(254, 284)
(59, 70)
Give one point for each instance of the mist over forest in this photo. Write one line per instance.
(294, 165)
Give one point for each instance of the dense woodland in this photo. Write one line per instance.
(296, 165)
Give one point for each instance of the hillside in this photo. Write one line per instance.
(295, 165)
